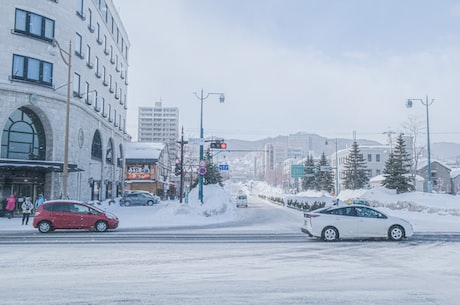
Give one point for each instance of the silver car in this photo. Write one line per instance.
(139, 198)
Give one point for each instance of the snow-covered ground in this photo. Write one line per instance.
(426, 212)
(230, 273)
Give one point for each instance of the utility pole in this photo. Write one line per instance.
(181, 186)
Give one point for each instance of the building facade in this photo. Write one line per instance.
(62, 59)
(159, 124)
(148, 168)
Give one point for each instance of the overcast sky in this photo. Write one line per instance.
(285, 66)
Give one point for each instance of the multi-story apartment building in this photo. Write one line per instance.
(63, 79)
(159, 124)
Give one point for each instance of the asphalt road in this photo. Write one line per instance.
(144, 236)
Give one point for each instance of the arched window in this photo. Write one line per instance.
(109, 152)
(96, 148)
(120, 156)
(23, 136)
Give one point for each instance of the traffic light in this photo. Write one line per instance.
(218, 145)
(178, 168)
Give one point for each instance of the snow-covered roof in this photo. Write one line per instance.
(455, 172)
(143, 150)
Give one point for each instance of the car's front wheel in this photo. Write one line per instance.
(44, 227)
(396, 233)
(330, 234)
(150, 203)
(101, 226)
(126, 203)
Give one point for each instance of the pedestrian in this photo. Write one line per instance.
(10, 205)
(39, 201)
(27, 208)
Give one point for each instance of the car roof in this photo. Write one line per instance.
(64, 201)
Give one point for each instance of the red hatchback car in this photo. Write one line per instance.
(67, 214)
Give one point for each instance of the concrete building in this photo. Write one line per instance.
(375, 157)
(84, 76)
(159, 125)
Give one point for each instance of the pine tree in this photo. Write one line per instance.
(325, 179)
(397, 169)
(309, 181)
(212, 175)
(354, 174)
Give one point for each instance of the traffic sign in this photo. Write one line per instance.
(223, 167)
(196, 141)
(202, 171)
(297, 171)
(202, 163)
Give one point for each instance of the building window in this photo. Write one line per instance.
(120, 159)
(32, 70)
(104, 108)
(78, 45)
(76, 84)
(98, 72)
(377, 158)
(23, 136)
(104, 75)
(90, 21)
(97, 107)
(109, 152)
(80, 9)
(98, 29)
(110, 84)
(86, 93)
(369, 157)
(109, 111)
(106, 49)
(96, 147)
(88, 57)
(31, 24)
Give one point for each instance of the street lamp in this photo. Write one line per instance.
(202, 98)
(425, 103)
(67, 59)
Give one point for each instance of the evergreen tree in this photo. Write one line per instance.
(354, 174)
(309, 181)
(397, 169)
(212, 175)
(325, 179)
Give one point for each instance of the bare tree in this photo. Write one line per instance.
(413, 127)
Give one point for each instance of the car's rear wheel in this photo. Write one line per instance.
(101, 226)
(330, 234)
(396, 233)
(44, 227)
(150, 202)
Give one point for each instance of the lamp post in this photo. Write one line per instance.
(425, 103)
(67, 59)
(201, 97)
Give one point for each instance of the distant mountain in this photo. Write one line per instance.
(448, 153)
(316, 143)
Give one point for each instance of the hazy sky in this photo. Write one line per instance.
(324, 67)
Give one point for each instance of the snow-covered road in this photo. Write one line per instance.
(313, 272)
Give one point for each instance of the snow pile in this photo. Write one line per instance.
(216, 201)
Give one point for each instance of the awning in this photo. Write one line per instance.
(37, 165)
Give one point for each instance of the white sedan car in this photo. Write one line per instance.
(354, 222)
